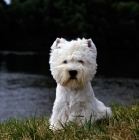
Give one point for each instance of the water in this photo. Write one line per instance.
(26, 87)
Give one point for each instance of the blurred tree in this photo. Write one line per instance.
(29, 24)
(2, 2)
(126, 23)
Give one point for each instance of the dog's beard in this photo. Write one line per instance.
(73, 83)
(63, 77)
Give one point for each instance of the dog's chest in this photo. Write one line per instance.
(75, 98)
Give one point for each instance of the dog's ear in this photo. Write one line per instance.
(91, 45)
(57, 41)
(55, 44)
(90, 42)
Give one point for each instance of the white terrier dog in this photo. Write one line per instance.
(73, 66)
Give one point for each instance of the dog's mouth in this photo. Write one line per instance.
(73, 78)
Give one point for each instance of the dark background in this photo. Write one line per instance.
(113, 25)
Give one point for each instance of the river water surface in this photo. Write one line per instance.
(27, 88)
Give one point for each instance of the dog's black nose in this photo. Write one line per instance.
(73, 73)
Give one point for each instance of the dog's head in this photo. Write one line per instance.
(73, 63)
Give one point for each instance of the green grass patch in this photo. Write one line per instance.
(124, 125)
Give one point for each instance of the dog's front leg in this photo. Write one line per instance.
(82, 111)
(59, 115)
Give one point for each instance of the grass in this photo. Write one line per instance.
(124, 125)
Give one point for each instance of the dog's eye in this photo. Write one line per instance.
(80, 61)
(65, 62)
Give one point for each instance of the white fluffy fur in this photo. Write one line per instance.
(75, 96)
